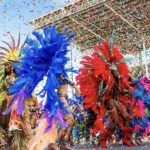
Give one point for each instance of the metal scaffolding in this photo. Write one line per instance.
(127, 21)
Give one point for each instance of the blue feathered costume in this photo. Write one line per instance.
(44, 57)
(141, 94)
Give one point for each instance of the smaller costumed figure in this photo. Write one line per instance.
(19, 124)
(9, 57)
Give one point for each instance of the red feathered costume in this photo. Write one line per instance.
(97, 69)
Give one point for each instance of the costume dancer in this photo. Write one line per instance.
(103, 75)
(44, 57)
(8, 75)
(63, 132)
(140, 121)
(62, 92)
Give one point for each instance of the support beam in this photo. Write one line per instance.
(123, 19)
(87, 28)
(145, 57)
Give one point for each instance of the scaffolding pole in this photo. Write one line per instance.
(145, 57)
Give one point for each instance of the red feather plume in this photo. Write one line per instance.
(94, 70)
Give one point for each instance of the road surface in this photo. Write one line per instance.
(144, 146)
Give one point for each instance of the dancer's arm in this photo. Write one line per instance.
(127, 86)
(71, 83)
(12, 79)
(5, 84)
(78, 93)
(24, 128)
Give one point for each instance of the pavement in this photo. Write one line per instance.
(144, 146)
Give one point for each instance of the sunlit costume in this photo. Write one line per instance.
(44, 57)
(9, 57)
(103, 75)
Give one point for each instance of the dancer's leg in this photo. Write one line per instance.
(133, 139)
(137, 137)
(125, 116)
(70, 122)
(68, 118)
(61, 131)
(110, 106)
(33, 120)
(71, 139)
(127, 132)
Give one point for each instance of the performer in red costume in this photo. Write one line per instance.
(102, 77)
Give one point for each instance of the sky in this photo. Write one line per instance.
(15, 14)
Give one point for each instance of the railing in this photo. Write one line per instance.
(67, 13)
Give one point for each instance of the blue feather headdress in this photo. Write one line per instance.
(43, 57)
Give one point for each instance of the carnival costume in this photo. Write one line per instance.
(44, 57)
(96, 71)
(7, 76)
(141, 94)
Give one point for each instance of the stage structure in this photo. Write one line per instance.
(127, 21)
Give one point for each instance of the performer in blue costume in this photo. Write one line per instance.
(140, 121)
(45, 57)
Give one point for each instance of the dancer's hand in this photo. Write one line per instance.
(98, 106)
(130, 109)
(6, 96)
(130, 93)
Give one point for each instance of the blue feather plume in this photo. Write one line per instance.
(45, 56)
